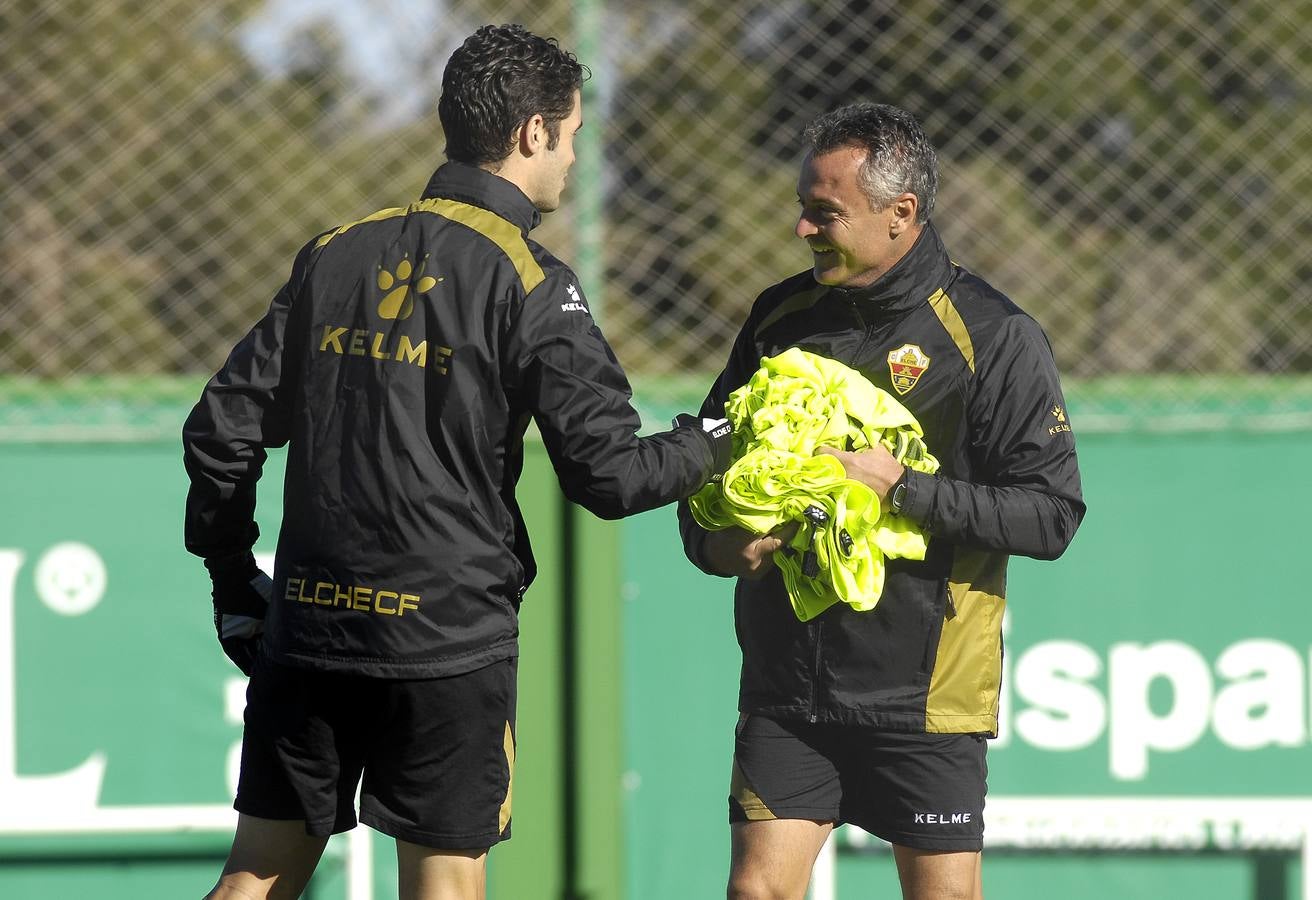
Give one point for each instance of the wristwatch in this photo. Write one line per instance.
(897, 497)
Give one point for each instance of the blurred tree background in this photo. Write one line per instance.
(1133, 174)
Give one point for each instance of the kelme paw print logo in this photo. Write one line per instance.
(399, 302)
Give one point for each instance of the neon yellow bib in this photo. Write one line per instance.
(795, 403)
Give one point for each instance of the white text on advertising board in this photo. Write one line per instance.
(1253, 696)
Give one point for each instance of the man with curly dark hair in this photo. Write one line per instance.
(400, 365)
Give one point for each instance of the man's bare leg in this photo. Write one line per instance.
(270, 860)
(427, 874)
(939, 875)
(772, 859)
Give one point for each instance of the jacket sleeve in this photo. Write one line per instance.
(744, 360)
(1024, 496)
(582, 403)
(242, 411)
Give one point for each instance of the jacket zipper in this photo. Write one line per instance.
(950, 609)
(815, 672)
(865, 329)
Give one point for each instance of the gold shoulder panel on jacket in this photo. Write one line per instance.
(376, 217)
(496, 229)
(947, 314)
(795, 303)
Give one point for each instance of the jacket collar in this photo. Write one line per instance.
(470, 184)
(925, 268)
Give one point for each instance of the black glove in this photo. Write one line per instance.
(719, 432)
(241, 597)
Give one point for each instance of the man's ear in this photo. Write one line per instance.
(904, 214)
(533, 135)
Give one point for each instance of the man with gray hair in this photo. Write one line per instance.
(879, 718)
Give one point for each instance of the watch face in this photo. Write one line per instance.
(899, 497)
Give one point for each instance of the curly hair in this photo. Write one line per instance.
(498, 79)
(899, 159)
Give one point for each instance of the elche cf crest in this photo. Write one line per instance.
(906, 364)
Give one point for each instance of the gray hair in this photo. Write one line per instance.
(899, 157)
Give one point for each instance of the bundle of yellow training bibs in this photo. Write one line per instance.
(796, 402)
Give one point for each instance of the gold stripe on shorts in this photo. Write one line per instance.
(753, 806)
(509, 744)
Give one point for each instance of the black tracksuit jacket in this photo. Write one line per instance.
(979, 376)
(401, 364)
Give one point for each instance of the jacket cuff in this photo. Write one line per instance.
(693, 537)
(920, 496)
(708, 469)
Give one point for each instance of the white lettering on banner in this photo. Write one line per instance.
(74, 576)
(1065, 713)
(234, 711)
(72, 792)
(1135, 728)
(1135, 823)
(1258, 699)
(70, 579)
(1149, 823)
(1264, 706)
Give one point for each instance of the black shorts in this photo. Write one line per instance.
(924, 791)
(436, 754)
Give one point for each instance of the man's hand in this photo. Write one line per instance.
(720, 433)
(740, 553)
(876, 468)
(241, 597)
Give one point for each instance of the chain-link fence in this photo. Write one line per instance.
(1132, 172)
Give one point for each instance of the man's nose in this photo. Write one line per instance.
(804, 228)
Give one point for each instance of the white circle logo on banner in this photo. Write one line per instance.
(70, 578)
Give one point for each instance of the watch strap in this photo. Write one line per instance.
(897, 496)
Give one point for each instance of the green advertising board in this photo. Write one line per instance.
(120, 718)
(1155, 737)
(1155, 710)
